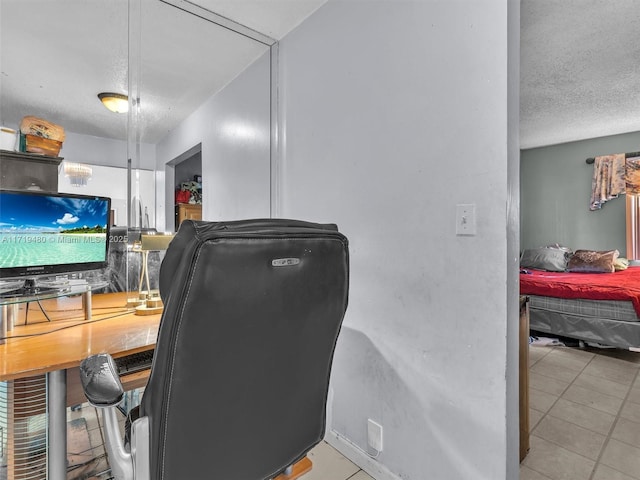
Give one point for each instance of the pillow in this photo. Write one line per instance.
(545, 258)
(590, 261)
(621, 264)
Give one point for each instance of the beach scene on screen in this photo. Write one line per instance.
(46, 230)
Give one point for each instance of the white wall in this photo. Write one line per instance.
(392, 113)
(233, 127)
(104, 151)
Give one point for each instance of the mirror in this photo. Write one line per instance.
(197, 87)
(189, 103)
(57, 57)
(54, 57)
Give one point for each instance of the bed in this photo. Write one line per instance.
(602, 308)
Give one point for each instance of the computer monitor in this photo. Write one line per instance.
(44, 234)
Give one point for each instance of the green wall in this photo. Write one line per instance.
(555, 189)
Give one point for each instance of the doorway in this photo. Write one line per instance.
(184, 187)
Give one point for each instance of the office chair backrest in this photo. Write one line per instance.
(241, 369)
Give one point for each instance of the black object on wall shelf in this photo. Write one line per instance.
(20, 170)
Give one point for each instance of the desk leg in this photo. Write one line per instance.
(524, 377)
(86, 304)
(57, 425)
(4, 316)
(8, 317)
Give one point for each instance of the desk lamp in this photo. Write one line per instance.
(150, 300)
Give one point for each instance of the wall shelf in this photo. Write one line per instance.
(20, 170)
(31, 157)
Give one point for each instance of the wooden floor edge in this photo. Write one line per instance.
(299, 469)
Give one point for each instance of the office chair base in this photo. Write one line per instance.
(299, 469)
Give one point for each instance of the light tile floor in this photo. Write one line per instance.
(584, 420)
(584, 414)
(328, 463)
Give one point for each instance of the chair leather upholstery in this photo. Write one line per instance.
(240, 375)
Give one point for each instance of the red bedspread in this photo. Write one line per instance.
(623, 285)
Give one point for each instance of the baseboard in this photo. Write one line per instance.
(359, 457)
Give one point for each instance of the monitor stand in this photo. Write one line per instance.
(12, 293)
(31, 287)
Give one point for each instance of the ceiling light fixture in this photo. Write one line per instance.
(115, 102)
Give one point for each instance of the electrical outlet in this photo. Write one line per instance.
(374, 435)
(466, 219)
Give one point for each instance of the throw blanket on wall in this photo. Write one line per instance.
(632, 176)
(608, 179)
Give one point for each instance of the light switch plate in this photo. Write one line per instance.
(466, 219)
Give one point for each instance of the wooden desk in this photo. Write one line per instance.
(69, 339)
(55, 349)
(51, 349)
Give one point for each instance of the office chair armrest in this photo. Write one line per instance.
(100, 380)
(102, 387)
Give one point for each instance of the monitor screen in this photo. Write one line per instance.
(52, 233)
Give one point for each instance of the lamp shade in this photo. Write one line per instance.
(115, 102)
(155, 242)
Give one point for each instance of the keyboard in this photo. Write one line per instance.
(134, 363)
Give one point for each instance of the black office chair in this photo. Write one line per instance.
(240, 374)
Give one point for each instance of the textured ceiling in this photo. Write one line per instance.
(579, 62)
(579, 70)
